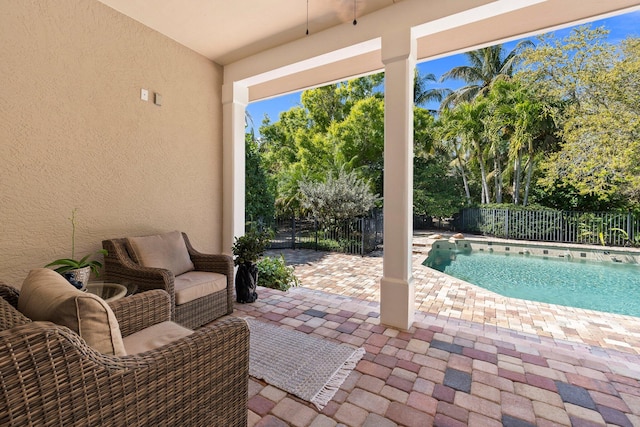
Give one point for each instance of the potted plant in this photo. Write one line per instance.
(246, 251)
(77, 271)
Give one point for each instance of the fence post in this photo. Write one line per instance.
(379, 231)
(361, 236)
(293, 232)
(506, 224)
(315, 231)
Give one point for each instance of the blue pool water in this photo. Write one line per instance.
(603, 286)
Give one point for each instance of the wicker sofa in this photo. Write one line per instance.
(50, 376)
(122, 265)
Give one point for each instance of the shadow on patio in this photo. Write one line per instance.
(471, 358)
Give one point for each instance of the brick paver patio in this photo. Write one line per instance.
(472, 357)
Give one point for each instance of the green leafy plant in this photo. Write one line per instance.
(321, 245)
(251, 246)
(591, 227)
(625, 236)
(67, 264)
(275, 274)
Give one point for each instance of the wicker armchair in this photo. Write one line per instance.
(50, 376)
(120, 266)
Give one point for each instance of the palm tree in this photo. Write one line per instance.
(447, 138)
(487, 65)
(248, 124)
(463, 125)
(422, 93)
(499, 128)
(471, 129)
(520, 119)
(498, 151)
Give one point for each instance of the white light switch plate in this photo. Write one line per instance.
(144, 94)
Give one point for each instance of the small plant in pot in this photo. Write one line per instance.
(246, 251)
(77, 271)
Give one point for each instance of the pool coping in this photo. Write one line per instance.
(554, 250)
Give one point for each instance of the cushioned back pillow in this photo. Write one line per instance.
(46, 295)
(166, 251)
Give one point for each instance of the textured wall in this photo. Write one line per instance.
(75, 134)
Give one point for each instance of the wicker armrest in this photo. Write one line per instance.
(141, 310)
(120, 267)
(198, 380)
(215, 263)
(214, 360)
(9, 293)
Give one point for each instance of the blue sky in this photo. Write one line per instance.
(619, 26)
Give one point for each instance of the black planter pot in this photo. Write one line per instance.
(246, 282)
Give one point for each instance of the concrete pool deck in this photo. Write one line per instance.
(472, 358)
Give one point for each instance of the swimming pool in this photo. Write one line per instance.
(603, 286)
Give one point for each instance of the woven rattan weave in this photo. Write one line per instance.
(50, 377)
(121, 268)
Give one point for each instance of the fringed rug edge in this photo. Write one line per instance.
(329, 390)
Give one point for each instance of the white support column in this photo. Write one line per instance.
(235, 98)
(397, 294)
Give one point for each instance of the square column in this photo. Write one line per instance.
(235, 98)
(397, 293)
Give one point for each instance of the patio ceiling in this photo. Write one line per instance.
(226, 31)
(264, 45)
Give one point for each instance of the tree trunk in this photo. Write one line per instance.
(485, 186)
(497, 178)
(529, 168)
(465, 182)
(517, 170)
(467, 192)
(483, 174)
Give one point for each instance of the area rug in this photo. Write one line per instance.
(310, 368)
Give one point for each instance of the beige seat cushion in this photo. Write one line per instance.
(166, 251)
(46, 295)
(154, 337)
(197, 284)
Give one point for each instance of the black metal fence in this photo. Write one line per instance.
(355, 236)
(427, 222)
(600, 228)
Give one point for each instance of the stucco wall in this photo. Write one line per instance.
(75, 134)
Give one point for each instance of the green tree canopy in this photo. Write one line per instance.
(437, 191)
(360, 137)
(598, 85)
(554, 123)
(260, 201)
